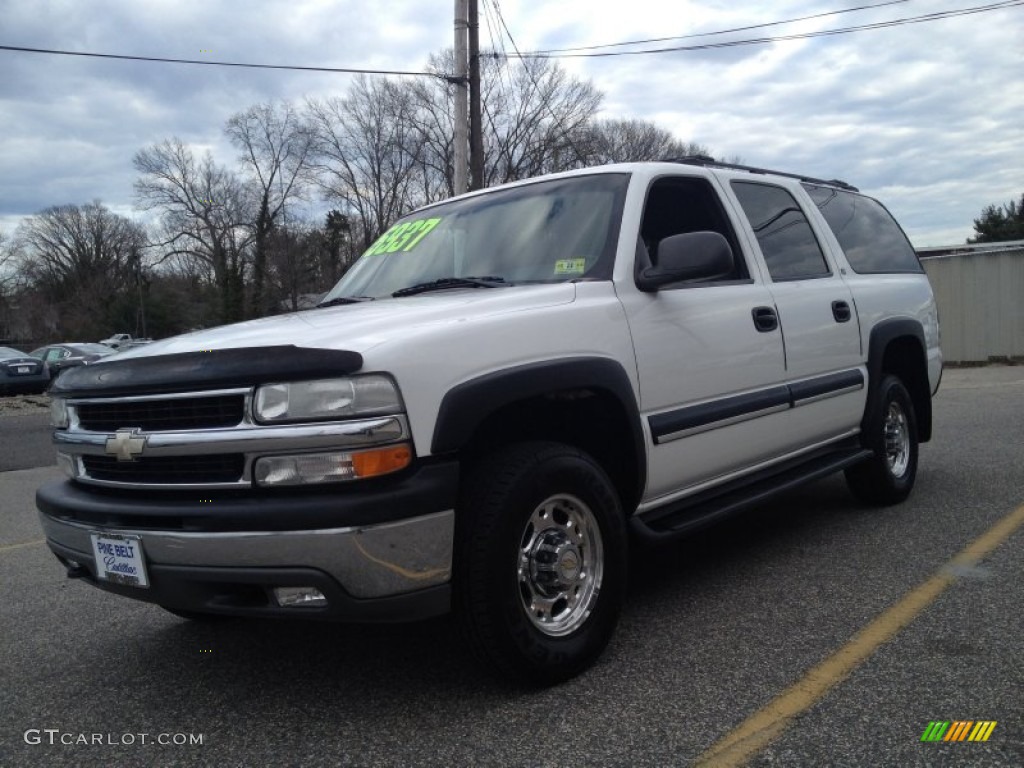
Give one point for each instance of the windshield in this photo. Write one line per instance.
(6, 353)
(546, 232)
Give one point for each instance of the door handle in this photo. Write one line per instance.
(765, 319)
(841, 311)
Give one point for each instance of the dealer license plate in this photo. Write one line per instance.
(119, 559)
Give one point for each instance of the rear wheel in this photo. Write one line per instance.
(888, 476)
(541, 561)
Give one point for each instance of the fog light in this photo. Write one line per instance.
(299, 597)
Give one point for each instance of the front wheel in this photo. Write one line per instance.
(888, 476)
(541, 561)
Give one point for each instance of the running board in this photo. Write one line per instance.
(705, 508)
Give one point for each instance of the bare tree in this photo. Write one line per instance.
(9, 276)
(433, 116)
(335, 248)
(635, 140)
(8, 265)
(367, 152)
(275, 150)
(205, 212)
(82, 259)
(535, 116)
(536, 119)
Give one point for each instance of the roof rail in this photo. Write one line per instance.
(710, 162)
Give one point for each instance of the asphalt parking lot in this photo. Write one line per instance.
(804, 620)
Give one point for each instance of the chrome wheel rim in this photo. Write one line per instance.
(561, 564)
(897, 440)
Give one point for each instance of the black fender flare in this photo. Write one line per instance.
(466, 405)
(883, 334)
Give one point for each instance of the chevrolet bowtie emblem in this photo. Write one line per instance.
(126, 444)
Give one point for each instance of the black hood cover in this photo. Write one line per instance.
(215, 369)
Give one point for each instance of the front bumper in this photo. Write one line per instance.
(397, 569)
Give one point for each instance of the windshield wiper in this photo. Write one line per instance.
(490, 281)
(343, 300)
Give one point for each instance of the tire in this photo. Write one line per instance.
(888, 476)
(541, 562)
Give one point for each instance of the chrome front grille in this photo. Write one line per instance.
(174, 413)
(195, 440)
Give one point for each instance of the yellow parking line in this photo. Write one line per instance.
(10, 547)
(763, 727)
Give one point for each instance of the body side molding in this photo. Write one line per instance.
(703, 417)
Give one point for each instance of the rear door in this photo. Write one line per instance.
(822, 340)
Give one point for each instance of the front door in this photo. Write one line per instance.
(709, 356)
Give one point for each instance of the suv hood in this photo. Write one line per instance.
(363, 326)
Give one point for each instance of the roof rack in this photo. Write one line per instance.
(710, 162)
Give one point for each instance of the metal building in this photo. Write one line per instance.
(980, 293)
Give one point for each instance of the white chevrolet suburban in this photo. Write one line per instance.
(503, 389)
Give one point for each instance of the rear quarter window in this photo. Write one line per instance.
(868, 234)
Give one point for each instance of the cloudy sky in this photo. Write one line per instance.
(928, 117)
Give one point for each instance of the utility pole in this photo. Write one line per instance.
(461, 82)
(476, 142)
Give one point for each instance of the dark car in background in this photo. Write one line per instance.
(61, 356)
(21, 373)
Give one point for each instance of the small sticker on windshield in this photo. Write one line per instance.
(570, 267)
(403, 237)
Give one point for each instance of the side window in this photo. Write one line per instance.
(790, 248)
(678, 205)
(55, 353)
(868, 234)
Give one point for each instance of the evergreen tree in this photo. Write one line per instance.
(1000, 223)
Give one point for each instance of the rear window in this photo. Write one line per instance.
(868, 234)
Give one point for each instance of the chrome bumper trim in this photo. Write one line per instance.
(368, 561)
(248, 439)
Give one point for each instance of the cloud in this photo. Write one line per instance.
(926, 116)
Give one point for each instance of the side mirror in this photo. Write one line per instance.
(690, 256)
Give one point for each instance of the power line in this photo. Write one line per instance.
(722, 31)
(500, 67)
(536, 85)
(780, 38)
(348, 70)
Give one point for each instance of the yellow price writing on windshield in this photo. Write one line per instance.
(403, 237)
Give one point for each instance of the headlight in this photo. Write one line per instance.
(325, 399)
(59, 413)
